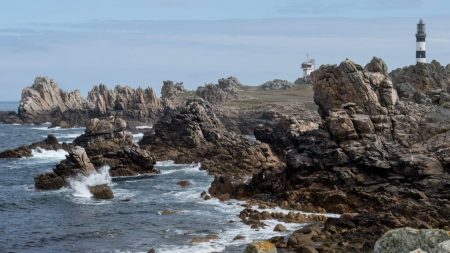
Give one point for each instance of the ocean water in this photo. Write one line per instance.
(9, 105)
(69, 220)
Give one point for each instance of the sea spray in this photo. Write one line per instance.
(41, 153)
(80, 185)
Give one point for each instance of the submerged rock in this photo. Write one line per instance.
(101, 191)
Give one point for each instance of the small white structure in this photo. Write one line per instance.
(420, 43)
(308, 66)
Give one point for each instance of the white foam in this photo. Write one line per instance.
(80, 185)
(40, 153)
(144, 127)
(16, 124)
(138, 136)
(286, 211)
(186, 168)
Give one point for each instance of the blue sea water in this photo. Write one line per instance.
(9, 105)
(69, 220)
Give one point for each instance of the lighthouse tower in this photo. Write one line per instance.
(420, 38)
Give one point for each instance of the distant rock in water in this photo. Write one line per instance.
(102, 191)
(44, 101)
(277, 84)
(226, 89)
(169, 89)
(50, 143)
(423, 83)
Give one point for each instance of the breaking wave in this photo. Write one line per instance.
(81, 184)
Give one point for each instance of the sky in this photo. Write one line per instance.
(143, 42)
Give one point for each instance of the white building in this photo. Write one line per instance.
(308, 66)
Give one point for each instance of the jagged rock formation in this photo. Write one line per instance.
(225, 90)
(277, 84)
(130, 104)
(44, 101)
(382, 158)
(423, 83)
(104, 143)
(193, 133)
(50, 143)
(169, 90)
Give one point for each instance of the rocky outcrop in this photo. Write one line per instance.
(277, 84)
(405, 240)
(10, 117)
(50, 143)
(424, 83)
(384, 159)
(76, 163)
(170, 90)
(102, 191)
(130, 104)
(44, 101)
(104, 143)
(225, 90)
(193, 133)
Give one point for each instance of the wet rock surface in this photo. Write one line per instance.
(101, 191)
(104, 143)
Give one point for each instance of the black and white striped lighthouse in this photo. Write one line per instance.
(420, 38)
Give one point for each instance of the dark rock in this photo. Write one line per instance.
(101, 191)
(49, 181)
(184, 183)
(193, 133)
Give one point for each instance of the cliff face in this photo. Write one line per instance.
(44, 99)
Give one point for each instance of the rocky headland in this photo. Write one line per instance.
(371, 146)
(379, 160)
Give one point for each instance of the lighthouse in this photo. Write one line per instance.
(420, 43)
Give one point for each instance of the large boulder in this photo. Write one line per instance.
(102, 191)
(261, 247)
(404, 240)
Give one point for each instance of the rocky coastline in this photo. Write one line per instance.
(376, 153)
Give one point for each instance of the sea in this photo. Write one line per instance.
(70, 220)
